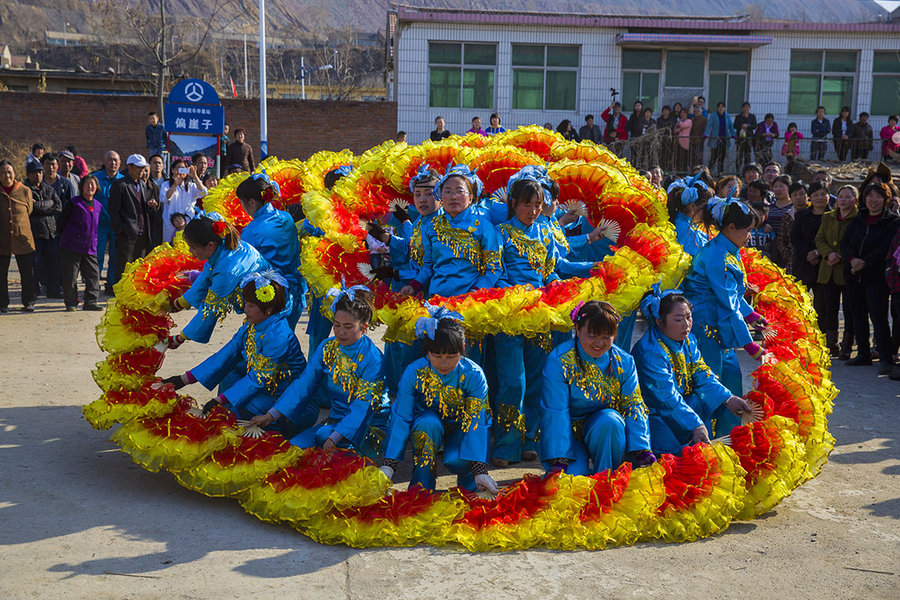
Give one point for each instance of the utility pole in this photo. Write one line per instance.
(246, 71)
(161, 76)
(263, 118)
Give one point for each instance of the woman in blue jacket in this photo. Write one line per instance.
(592, 414)
(351, 368)
(273, 233)
(683, 396)
(262, 358)
(686, 199)
(716, 285)
(216, 290)
(442, 401)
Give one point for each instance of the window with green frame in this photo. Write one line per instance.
(544, 77)
(886, 83)
(641, 69)
(461, 74)
(825, 78)
(728, 78)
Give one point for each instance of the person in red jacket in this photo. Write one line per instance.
(616, 129)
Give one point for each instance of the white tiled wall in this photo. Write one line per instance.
(599, 70)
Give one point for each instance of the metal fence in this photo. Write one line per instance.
(728, 155)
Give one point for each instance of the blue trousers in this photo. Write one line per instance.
(263, 401)
(107, 240)
(519, 364)
(318, 329)
(397, 357)
(429, 425)
(603, 435)
(668, 437)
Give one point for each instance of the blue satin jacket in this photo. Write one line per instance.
(691, 237)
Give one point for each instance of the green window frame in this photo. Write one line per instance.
(461, 74)
(886, 83)
(641, 74)
(728, 79)
(822, 78)
(545, 77)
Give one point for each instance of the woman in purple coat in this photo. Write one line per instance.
(78, 226)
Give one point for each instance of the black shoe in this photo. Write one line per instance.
(844, 355)
(835, 351)
(28, 308)
(885, 367)
(4, 309)
(91, 307)
(861, 360)
(875, 355)
(895, 373)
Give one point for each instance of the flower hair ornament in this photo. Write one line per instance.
(533, 173)
(263, 281)
(719, 206)
(349, 293)
(426, 326)
(219, 226)
(273, 188)
(689, 193)
(650, 303)
(421, 177)
(460, 171)
(575, 314)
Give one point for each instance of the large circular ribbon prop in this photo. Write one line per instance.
(342, 498)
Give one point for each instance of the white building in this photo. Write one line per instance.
(535, 68)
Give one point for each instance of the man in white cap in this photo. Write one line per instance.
(129, 213)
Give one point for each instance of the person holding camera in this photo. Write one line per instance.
(179, 195)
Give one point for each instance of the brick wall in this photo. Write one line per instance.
(95, 124)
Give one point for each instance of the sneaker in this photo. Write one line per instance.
(91, 307)
(861, 360)
(885, 367)
(70, 309)
(28, 308)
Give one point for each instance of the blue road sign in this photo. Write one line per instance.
(193, 91)
(195, 118)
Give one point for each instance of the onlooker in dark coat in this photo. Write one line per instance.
(78, 226)
(589, 131)
(439, 132)
(840, 131)
(864, 248)
(129, 213)
(766, 134)
(239, 152)
(820, 127)
(831, 271)
(47, 207)
(67, 166)
(16, 240)
(63, 186)
(744, 128)
(635, 121)
(861, 138)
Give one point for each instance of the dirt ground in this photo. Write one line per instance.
(79, 520)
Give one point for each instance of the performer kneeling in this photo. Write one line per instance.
(351, 367)
(681, 392)
(442, 398)
(591, 402)
(262, 358)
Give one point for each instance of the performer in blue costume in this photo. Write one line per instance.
(442, 400)
(686, 199)
(530, 257)
(351, 368)
(216, 289)
(273, 233)
(262, 358)
(682, 394)
(405, 242)
(715, 286)
(592, 414)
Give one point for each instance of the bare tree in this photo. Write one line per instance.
(156, 41)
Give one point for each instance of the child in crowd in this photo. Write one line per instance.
(761, 237)
(350, 368)
(890, 140)
(78, 225)
(178, 221)
(442, 401)
(791, 146)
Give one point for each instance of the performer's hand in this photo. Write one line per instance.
(262, 421)
(738, 406)
(486, 483)
(176, 381)
(400, 214)
(407, 290)
(567, 218)
(643, 458)
(755, 350)
(191, 275)
(388, 472)
(329, 445)
(173, 341)
(700, 435)
(207, 408)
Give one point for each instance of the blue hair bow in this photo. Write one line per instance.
(533, 173)
(428, 325)
(344, 170)
(719, 206)
(338, 294)
(264, 278)
(212, 216)
(421, 176)
(460, 171)
(650, 303)
(689, 193)
(265, 177)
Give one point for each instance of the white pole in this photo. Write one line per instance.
(263, 121)
(302, 80)
(246, 71)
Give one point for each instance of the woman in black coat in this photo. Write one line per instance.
(863, 248)
(840, 131)
(805, 258)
